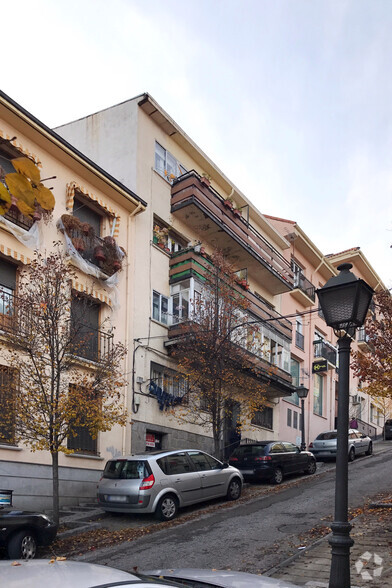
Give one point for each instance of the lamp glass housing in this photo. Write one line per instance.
(302, 392)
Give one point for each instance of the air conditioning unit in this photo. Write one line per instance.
(356, 399)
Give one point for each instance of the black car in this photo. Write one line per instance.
(272, 460)
(21, 531)
(388, 429)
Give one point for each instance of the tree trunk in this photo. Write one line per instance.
(55, 477)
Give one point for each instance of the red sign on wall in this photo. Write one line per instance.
(150, 440)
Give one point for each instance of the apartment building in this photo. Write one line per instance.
(193, 209)
(314, 356)
(85, 195)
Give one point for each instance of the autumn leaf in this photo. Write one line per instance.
(27, 168)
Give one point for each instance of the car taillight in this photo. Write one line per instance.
(310, 445)
(147, 483)
(233, 459)
(263, 458)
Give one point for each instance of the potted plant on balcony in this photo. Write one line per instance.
(161, 234)
(205, 179)
(237, 211)
(229, 202)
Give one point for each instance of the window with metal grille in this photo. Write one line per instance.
(82, 441)
(85, 323)
(263, 418)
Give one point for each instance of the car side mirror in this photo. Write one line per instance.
(225, 465)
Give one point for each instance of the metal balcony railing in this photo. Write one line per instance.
(305, 285)
(91, 344)
(326, 351)
(14, 318)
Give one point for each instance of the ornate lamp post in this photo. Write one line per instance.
(302, 394)
(344, 301)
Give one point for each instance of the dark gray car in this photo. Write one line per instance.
(161, 482)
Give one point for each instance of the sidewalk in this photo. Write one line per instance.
(371, 555)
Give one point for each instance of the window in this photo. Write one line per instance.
(167, 165)
(289, 414)
(298, 272)
(160, 307)
(180, 297)
(7, 291)
(295, 420)
(295, 372)
(317, 394)
(176, 464)
(13, 214)
(263, 418)
(85, 325)
(202, 462)
(290, 447)
(299, 337)
(169, 381)
(82, 441)
(86, 213)
(7, 423)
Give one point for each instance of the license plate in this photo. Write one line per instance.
(115, 498)
(246, 472)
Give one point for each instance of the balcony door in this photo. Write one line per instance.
(85, 325)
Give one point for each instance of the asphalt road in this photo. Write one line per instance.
(254, 536)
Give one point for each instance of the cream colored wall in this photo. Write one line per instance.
(53, 163)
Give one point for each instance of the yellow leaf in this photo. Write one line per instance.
(20, 187)
(24, 208)
(5, 199)
(44, 197)
(26, 167)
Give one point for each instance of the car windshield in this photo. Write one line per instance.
(327, 436)
(126, 470)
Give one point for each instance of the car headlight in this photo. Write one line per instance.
(46, 518)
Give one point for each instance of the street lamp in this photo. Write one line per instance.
(302, 393)
(344, 301)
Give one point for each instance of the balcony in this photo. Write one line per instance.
(325, 351)
(91, 344)
(14, 319)
(203, 208)
(188, 263)
(304, 291)
(362, 339)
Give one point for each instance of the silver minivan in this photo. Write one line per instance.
(161, 482)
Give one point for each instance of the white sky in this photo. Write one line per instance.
(290, 98)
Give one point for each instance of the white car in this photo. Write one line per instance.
(36, 573)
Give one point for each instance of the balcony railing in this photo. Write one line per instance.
(219, 224)
(91, 344)
(326, 351)
(189, 263)
(305, 285)
(299, 340)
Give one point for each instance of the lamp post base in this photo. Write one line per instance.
(341, 544)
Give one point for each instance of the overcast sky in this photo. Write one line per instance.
(290, 98)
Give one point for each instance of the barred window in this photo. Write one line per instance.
(264, 418)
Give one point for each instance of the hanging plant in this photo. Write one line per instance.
(99, 253)
(26, 187)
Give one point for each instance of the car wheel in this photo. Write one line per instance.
(22, 545)
(234, 489)
(277, 477)
(167, 508)
(312, 467)
(370, 449)
(351, 454)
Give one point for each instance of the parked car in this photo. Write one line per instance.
(21, 531)
(76, 574)
(325, 445)
(161, 482)
(388, 429)
(272, 460)
(73, 574)
(196, 578)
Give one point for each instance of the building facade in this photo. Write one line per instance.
(193, 209)
(85, 196)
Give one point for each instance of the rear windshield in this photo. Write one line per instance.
(327, 436)
(122, 469)
(249, 450)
